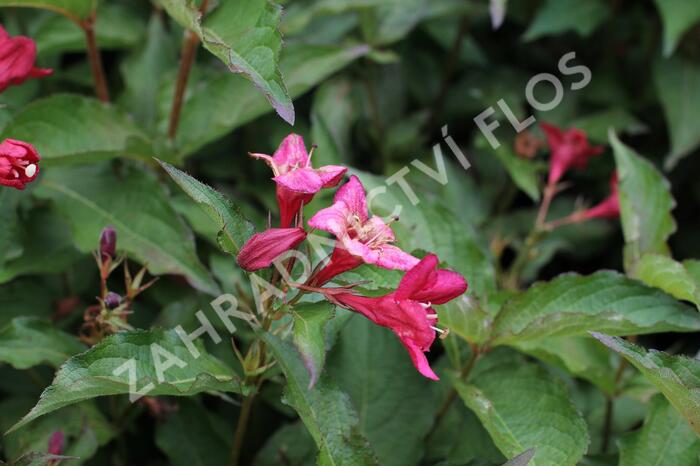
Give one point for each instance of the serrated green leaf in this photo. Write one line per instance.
(678, 377)
(68, 128)
(154, 362)
(394, 403)
(666, 274)
(235, 229)
(134, 203)
(310, 322)
(606, 301)
(558, 16)
(511, 398)
(678, 16)
(216, 106)
(28, 341)
(666, 439)
(645, 204)
(677, 83)
(523, 459)
(325, 410)
(74, 9)
(291, 441)
(244, 36)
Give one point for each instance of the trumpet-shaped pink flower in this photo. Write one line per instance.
(297, 181)
(360, 238)
(17, 55)
(610, 207)
(407, 311)
(263, 248)
(570, 149)
(19, 163)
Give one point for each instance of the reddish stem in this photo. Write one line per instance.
(93, 52)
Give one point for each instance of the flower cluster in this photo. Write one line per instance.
(19, 161)
(359, 239)
(570, 149)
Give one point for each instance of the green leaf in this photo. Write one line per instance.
(192, 436)
(244, 36)
(116, 27)
(558, 16)
(580, 356)
(216, 106)
(645, 204)
(85, 429)
(291, 442)
(512, 397)
(310, 322)
(394, 402)
(666, 439)
(678, 16)
(69, 128)
(134, 203)
(325, 410)
(235, 228)
(523, 459)
(666, 274)
(678, 86)
(28, 341)
(333, 114)
(678, 377)
(606, 301)
(597, 125)
(75, 9)
(144, 71)
(46, 244)
(139, 362)
(24, 297)
(524, 173)
(10, 238)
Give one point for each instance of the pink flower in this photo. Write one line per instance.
(570, 149)
(297, 181)
(610, 207)
(19, 163)
(407, 311)
(56, 443)
(17, 55)
(263, 248)
(360, 238)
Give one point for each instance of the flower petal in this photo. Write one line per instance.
(332, 219)
(263, 248)
(420, 361)
(352, 194)
(421, 276)
(447, 286)
(331, 175)
(300, 180)
(393, 258)
(292, 151)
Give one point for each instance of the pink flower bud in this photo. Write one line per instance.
(56, 443)
(112, 300)
(263, 248)
(108, 242)
(17, 55)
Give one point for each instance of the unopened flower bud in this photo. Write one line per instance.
(108, 242)
(56, 443)
(112, 300)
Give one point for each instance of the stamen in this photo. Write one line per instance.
(14, 173)
(438, 330)
(425, 305)
(431, 316)
(30, 170)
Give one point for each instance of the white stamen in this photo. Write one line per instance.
(425, 305)
(438, 330)
(431, 316)
(14, 173)
(30, 170)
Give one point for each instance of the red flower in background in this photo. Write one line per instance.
(19, 163)
(570, 149)
(263, 248)
(17, 56)
(297, 181)
(407, 311)
(610, 207)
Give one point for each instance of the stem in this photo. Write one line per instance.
(450, 66)
(516, 269)
(187, 56)
(608, 420)
(241, 428)
(476, 353)
(98, 72)
(549, 192)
